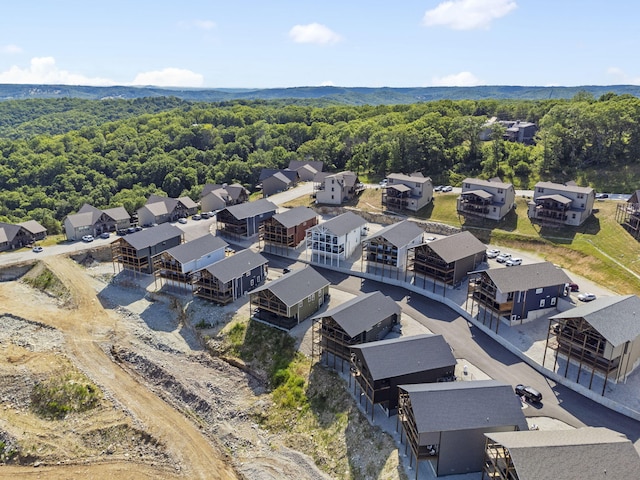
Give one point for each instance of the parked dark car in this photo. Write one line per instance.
(574, 287)
(529, 393)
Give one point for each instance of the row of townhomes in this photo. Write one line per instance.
(411, 377)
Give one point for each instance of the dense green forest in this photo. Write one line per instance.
(56, 154)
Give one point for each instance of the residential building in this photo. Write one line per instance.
(448, 259)
(160, 209)
(587, 453)
(245, 220)
(177, 264)
(601, 338)
(490, 199)
(288, 229)
(558, 204)
(516, 294)
(135, 252)
(442, 420)
(387, 250)
(628, 214)
(362, 319)
(275, 181)
(232, 277)
(513, 130)
(215, 197)
(20, 234)
(407, 192)
(290, 299)
(92, 221)
(334, 241)
(379, 367)
(307, 170)
(337, 188)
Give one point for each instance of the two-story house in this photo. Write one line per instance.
(244, 220)
(135, 252)
(337, 188)
(491, 199)
(334, 241)
(20, 234)
(386, 251)
(160, 209)
(558, 204)
(216, 197)
(288, 229)
(407, 192)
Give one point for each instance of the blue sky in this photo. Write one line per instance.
(350, 43)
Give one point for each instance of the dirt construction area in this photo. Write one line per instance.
(166, 409)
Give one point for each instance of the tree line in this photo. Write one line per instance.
(57, 154)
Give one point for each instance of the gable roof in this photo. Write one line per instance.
(344, 223)
(117, 213)
(584, 453)
(479, 193)
(318, 166)
(236, 265)
(635, 197)
(32, 227)
(280, 177)
(399, 234)
(493, 183)
(292, 175)
(413, 354)
(295, 286)
(196, 248)
(569, 187)
(556, 198)
(457, 246)
(616, 318)
(251, 209)
(527, 277)
(152, 236)
(87, 215)
(413, 177)
(170, 203)
(295, 216)
(8, 231)
(362, 313)
(400, 187)
(451, 406)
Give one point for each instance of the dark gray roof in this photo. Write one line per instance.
(418, 353)
(117, 213)
(236, 265)
(493, 183)
(479, 193)
(152, 236)
(556, 198)
(292, 175)
(295, 164)
(8, 231)
(526, 277)
(293, 287)
(295, 216)
(616, 318)
(343, 224)
(569, 187)
(251, 209)
(400, 187)
(361, 313)
(196, 248)
(584, 453)
(451, 406)
(32, 227)
(412, 178)
(458, 246)
(399, 234)
(280, 177)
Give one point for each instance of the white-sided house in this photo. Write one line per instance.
(216, 197)
(407, 192)
(389, 247)
(491, 199)
(92, 221)
(334, 241)
(559, 204)
(337, 188)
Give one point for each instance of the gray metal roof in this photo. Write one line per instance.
(582, 453)
(458, 246)
(344, 223)
(317, 165)
(556, 198)
(493, 183)
(236, 265)
(196, 248)
(32, 227)
(8, 231)
(361, 313)
(453, 406)
(413, 178)
(525, 277)
(399, 234)
(616, 318)
(479, 193)
(295, 216)
(117, 213)
(81, 219)
(570, 187)
(251, 209)
(295, 286)
(400, 187)
(152, 236)
(406, 355)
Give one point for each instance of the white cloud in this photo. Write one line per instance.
(201, 24)
(314, 33)
(468, 14)
(621, 77)
(11, 49)
(462, 79)
(170, 77)
(43, 70)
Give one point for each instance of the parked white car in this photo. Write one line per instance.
(87, 238)
(513, 262)
(493, 253)
(447, 188)
(586, 297)
(503, 257)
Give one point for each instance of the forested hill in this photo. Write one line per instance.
(343, 95)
